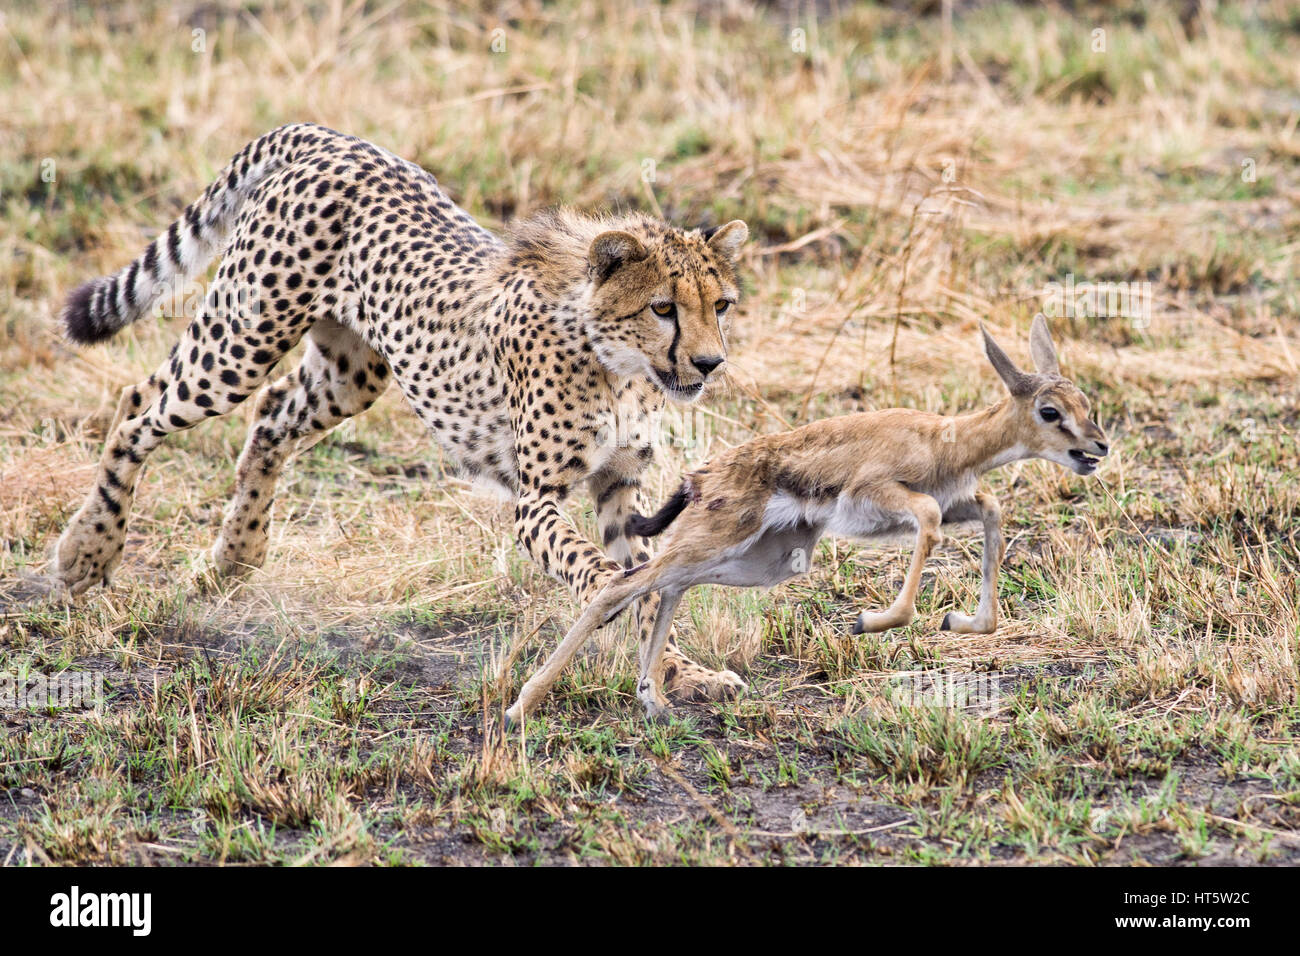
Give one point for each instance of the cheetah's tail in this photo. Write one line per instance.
(98, 308)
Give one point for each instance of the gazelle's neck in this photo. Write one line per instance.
(984, 440)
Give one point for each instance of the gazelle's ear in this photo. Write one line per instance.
(610, 251)
(727, 240)
(1041, 348)
(1016, 381)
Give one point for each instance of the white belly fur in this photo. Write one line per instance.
(843, 516)
(856, 518)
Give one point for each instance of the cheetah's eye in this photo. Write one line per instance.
(721, 306)
(665, 310)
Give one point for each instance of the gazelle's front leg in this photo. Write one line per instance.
(985, 619)
(928, 516)
(607, 605)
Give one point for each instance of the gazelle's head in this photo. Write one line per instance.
(1052, 414)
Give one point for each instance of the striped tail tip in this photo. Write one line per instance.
(81, 323)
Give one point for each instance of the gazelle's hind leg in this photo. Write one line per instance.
(927, 514)
(616, 498)
(607, 605)
(985, 618)
(649, 686)
(339, 376)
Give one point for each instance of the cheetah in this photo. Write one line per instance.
(540, 360)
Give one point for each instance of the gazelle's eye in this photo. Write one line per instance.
(721, 306)
(1049, 414)
(665, 310)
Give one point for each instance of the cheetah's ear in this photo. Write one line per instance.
(610, 251)
(727, 240)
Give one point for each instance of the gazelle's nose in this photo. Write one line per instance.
(707, 363)
(1099, 439)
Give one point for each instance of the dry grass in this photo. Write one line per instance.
(899, 190)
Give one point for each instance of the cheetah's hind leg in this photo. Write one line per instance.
(89, 528)
(90, 548)
(339, 376)
(173, 399)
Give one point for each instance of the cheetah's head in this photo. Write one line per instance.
(658, 300)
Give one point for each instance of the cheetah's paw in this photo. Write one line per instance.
(80, 562)
(688, 681)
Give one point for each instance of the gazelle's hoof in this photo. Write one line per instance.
(873, 623)
(514, 719)
(962, 624)
(657, 712)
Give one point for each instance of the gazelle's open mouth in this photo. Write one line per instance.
(1084, 463)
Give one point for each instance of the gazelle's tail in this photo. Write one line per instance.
(648, 527)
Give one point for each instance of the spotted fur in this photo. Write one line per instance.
(540, 361)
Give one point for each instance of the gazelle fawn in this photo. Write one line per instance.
(752, 516)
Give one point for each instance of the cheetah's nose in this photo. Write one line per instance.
(707, 363)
